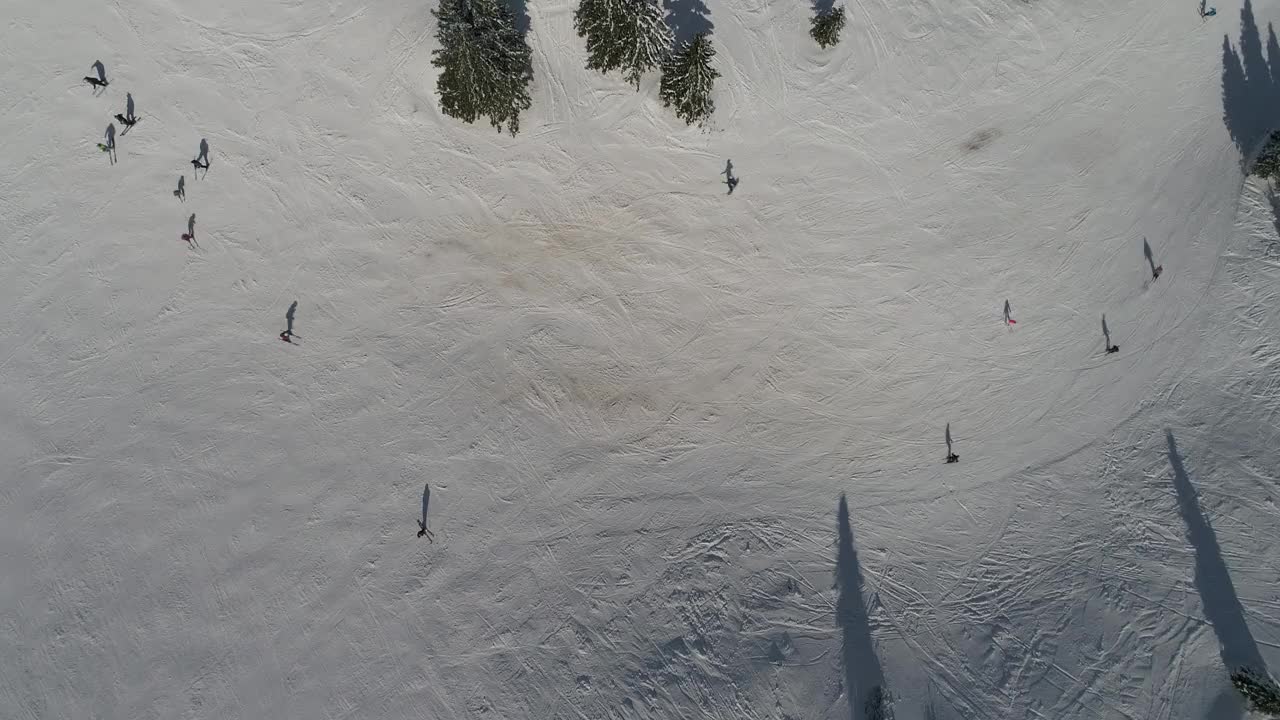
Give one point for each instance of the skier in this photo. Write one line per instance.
(953, 458)
(1008, 314)
(128, 122)
(200, 165)
(95, 82)
(109, 147)
(1155, 272)
(1113, 349)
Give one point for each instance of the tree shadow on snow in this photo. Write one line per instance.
(822, 7)
(1213, 582)
(1250, 85)
(1227, 705)
(520, 10)
(863, 676)
(687, 18)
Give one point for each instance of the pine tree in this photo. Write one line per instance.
(827, 25)
(485, 63)
(879, 705)
(1261, 692)
(1268, 163)
(687, 80)
(626, 35)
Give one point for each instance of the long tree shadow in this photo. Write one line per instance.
(1250, 84)
(520, 10)
(687, 18)
(863, 677)
(1213, 582)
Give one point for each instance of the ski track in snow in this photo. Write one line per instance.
(637, 400)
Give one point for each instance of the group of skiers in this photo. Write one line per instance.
(98, 82)
(1107, 345)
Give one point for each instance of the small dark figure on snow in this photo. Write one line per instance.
(126, 121)
(1113, 349)
(953, 458)
(1155, 272)
(200, 165)
(729, 178)
(287, 335)
(422, 529)
(95, 82)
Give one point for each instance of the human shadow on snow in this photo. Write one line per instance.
(1250, 85)
(422, 523)
(687, 18)
(863, 676)
(1213, 582)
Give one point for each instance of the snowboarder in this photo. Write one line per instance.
(1151, 261)
(1106, 337)
(287, 335)
(202, 160)
(729, 178)
(100, 81)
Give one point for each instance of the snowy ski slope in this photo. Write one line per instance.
(638, 401)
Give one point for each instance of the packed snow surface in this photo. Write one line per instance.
(638, 400)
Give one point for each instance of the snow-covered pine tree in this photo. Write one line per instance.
(827, 25)
(879, 705)
(485, 63)
(626, 35)
(687, 79)
(1261, 692)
